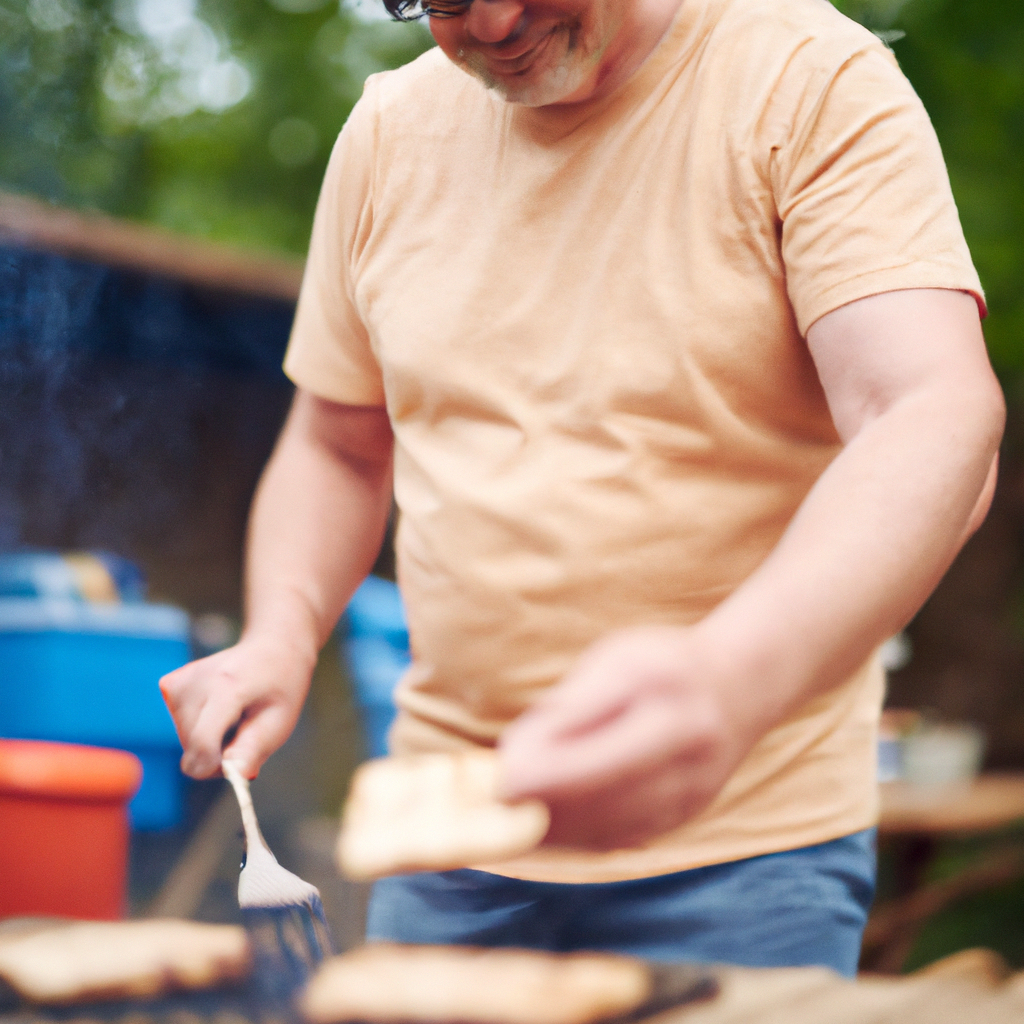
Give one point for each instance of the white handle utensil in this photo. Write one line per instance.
(283, 914)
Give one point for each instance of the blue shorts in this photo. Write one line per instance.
(789, 909)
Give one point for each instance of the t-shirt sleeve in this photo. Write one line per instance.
(329, 352)
(862, 191)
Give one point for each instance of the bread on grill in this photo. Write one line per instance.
(384, 983)
(89, 960)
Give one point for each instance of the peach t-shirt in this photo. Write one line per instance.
(587, 325)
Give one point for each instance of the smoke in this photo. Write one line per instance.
(135, 411)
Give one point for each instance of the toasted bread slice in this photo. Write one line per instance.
(433, 812)
(90, 960)
(383, 983)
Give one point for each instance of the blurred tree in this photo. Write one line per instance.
(214, 118)
(966, 61)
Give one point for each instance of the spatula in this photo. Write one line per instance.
(282, 913)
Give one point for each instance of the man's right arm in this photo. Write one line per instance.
(316, 527)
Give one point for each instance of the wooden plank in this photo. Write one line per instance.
(816, 996)
(991, 801)
(102, 239)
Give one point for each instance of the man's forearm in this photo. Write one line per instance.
(317, 523)
(315, 529)
(868, 545)
(651, 722)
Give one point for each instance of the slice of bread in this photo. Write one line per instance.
(383, 983)
(91, 960)
(433, 812)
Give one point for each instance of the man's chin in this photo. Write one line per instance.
(553, 85)
(550, 81)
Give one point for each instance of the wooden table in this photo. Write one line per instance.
(913, 821)
(946, 995)
(991, 801)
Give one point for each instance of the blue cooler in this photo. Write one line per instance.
(82, 672)
(375, 645)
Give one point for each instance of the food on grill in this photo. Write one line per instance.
(384, 983)
(86, 961)
(433, 812)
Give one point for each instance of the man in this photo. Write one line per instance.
(666, 314)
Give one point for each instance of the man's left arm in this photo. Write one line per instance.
(650, 723)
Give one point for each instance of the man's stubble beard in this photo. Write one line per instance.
(555, 83)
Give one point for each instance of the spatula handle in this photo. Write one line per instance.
(240, 784)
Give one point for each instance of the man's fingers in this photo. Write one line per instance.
(550, 721)
(644, 735)
(258, 736)
(245, 698)
(174, 689)
(630, 743)
(183, 700)
(628, 816)
(572, 708)
(219, 713)
(606, 680)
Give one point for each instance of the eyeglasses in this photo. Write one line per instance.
(445, 8)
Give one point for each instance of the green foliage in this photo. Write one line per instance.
(48, 139)
(215, 119)
(964, 58)
(134, 107)
(990, 918)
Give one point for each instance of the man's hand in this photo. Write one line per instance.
(637, 737)
(316, 526)
(255, 690)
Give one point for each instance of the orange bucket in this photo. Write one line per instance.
(64, 829)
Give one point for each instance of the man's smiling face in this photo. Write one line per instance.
(534, 52)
